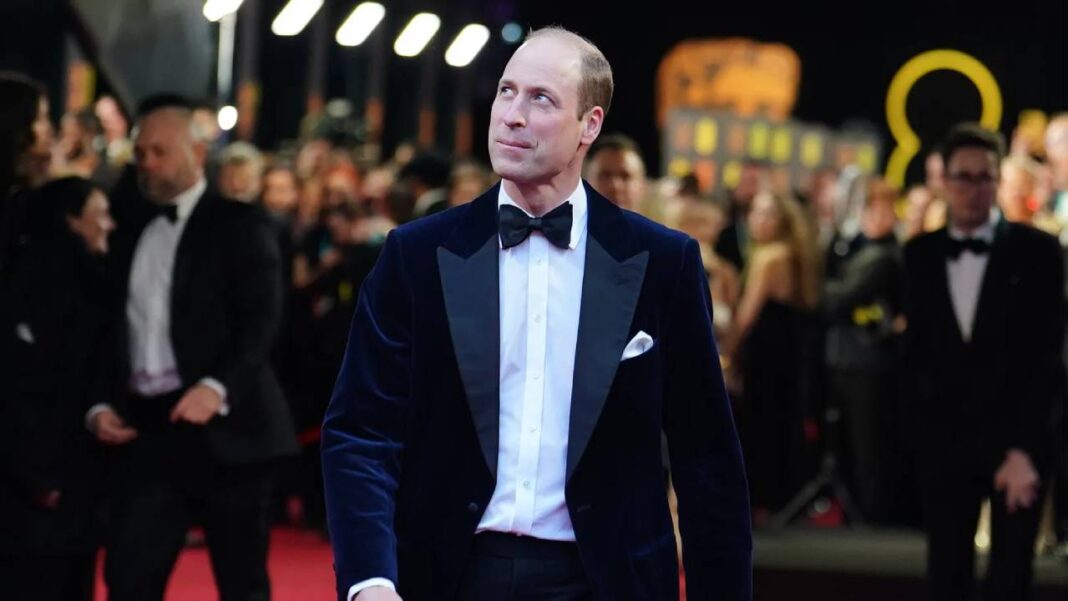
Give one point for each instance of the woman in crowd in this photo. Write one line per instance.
(26, 138)
(53, 347)
(767, 346)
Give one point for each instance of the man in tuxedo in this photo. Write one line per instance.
(200, 416)
(984, 307)
(494, 432)
(616, 170)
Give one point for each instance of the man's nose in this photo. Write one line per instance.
(515, 115)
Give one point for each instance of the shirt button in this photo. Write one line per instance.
(533, 429)
(537, 376)
(526, 484)
(472, 507)
(537, 318)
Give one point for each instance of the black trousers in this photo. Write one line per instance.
(48, 578)
(866, 400)
(169, 483)
(952, 499)
(504, 567)
(1060, 482)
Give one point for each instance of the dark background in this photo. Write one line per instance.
(849, 52)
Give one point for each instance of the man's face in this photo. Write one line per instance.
(280, 193)
(239, 181)
(169, 161)
(619, 175)
(748, 186)
(535, 131)
(878, 219)
(971, 181)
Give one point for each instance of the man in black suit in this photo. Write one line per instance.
(984, 308)
(862, 306)
(200, 413)
(733, 241)
(494, 432)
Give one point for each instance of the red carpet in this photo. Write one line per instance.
(300, 566)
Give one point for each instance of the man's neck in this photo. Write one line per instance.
(539, 199)
(971, 229)
(967, 230)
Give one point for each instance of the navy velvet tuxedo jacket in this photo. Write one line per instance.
(410, 439)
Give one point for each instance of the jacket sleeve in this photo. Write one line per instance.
(363, 433)
(706, 457)
(254, 305)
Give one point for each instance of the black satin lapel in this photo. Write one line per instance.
(472, 299)
(940, 273)
(193, 241)
(995, 286)
(610, 291)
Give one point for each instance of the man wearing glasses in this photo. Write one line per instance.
(985, 327)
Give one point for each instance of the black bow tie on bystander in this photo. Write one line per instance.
(955, 247)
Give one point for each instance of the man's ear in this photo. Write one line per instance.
(200, 152)
(591, 125)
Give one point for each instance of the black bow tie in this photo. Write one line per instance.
(515, 225)
(168, 211)
(955, 247)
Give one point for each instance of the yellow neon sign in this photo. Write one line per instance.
(908, 143)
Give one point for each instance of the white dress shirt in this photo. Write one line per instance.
(965, 274)
(153, 367)
(540, 296)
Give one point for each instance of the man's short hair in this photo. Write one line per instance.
(157, 102)
(239, 154)
(596, 85)
(972, 135)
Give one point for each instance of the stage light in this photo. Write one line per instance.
(363, 20)
(467, 45)
(227, 118)
(217, 9)
(417, 34)
(294, 16)
(511, 33)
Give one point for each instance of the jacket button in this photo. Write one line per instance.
(472, 507)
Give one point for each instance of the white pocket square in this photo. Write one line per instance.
(638, 345)
(24, 333)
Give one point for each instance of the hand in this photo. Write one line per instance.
(377, 593)
(1018, 478)
(199, 404)
(110, 429)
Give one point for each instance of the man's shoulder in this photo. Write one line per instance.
(653, 234)
(431, 229)
(923, 245)
(1030, 238)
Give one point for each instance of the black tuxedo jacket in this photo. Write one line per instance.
(973, 400)
(225, 308)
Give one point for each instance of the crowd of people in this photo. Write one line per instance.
(915, 334)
